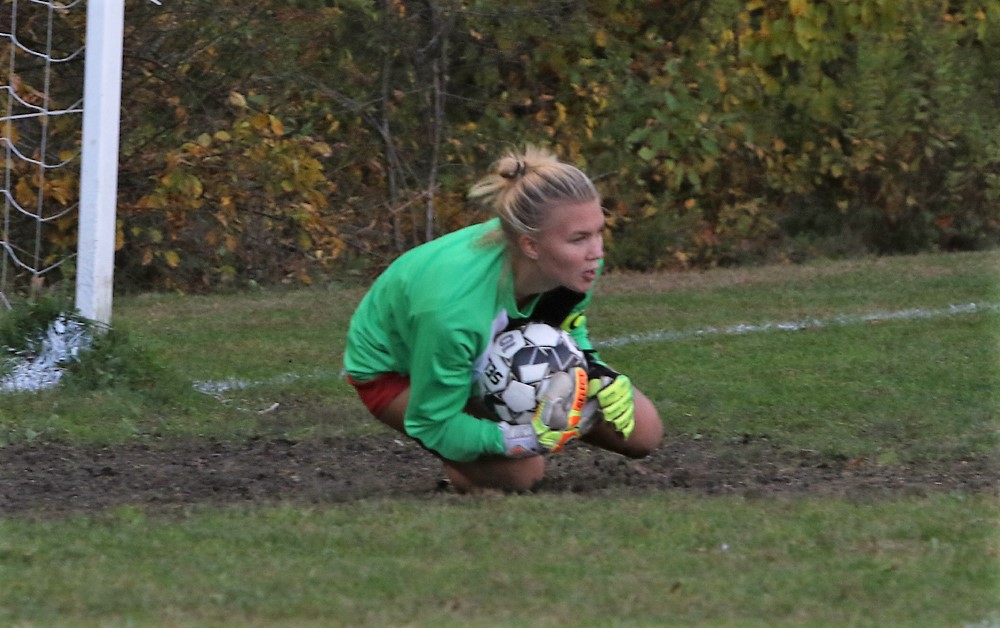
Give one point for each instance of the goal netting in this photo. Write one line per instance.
(41, 90)
(60, 177)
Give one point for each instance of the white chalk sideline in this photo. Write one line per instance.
(63, 343)
(221, 386)
(799, 325)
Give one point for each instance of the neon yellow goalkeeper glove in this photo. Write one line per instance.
(613, 392)
(556, 420)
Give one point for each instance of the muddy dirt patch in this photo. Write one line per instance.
(59, 478)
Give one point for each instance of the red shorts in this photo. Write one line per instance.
(378, 393)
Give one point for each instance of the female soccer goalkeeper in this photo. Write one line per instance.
(418, 338)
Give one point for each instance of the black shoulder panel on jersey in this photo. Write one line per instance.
(552, 308)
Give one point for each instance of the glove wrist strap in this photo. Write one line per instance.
(519, 441)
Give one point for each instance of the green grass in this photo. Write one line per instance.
(664, 560)
(918, 389)
(895, 391)
(792, 293)
(253, 335)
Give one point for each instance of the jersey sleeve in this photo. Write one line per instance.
(440, 384)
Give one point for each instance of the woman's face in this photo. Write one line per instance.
(569, 248)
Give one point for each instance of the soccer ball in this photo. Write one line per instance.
(519, 365)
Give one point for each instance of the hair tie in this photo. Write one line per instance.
(517, 172)
(521, 168)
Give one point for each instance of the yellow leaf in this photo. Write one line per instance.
(276, 126)
(259, 122)
(61, 189)
(601, 38)
(799, 7)
(236, 99)
(23, 193)
(720, 80)
(172, 258)
(189, 184)
(321, 148)
(222, 136)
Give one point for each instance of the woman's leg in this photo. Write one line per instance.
(495, 472)
(645, 438)
(488, 472)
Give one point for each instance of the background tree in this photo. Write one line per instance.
(296, 141)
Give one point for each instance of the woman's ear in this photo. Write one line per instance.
(528, 246)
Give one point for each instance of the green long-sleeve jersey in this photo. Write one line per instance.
(431, 316)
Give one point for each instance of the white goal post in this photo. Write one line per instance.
(99, 159)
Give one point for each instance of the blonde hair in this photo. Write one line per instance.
(523, 187)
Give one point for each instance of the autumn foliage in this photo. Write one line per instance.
(301, 140)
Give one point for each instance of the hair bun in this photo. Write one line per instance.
(512, 167)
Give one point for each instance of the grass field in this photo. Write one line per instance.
(888, 367)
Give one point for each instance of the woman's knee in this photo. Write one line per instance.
(644, 439)
(648, 432)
